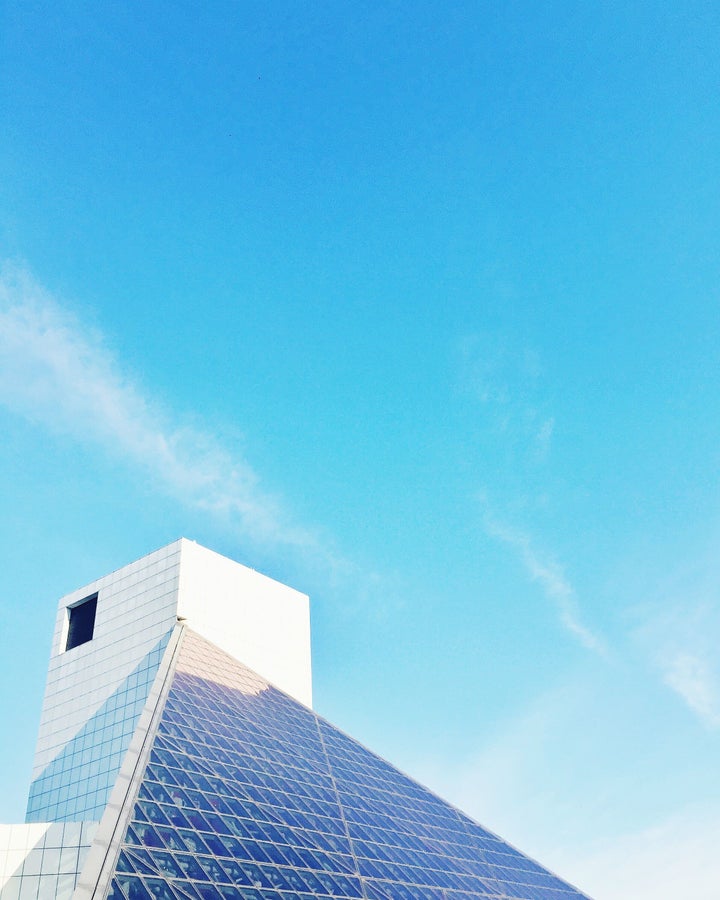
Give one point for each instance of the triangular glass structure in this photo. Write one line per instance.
(76, 785)
(245, 794)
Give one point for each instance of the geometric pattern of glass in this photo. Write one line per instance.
(50, 869)
(248, 795)
(76, 785)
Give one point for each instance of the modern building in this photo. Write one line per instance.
(179, 758)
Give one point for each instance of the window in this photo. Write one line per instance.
(82, 622)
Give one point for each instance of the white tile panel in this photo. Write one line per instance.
(136, 607)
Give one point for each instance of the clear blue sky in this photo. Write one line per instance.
(413, 306)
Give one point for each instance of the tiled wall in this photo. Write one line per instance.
(76, 785)
(136, 607)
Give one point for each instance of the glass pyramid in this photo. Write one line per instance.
(76, 785)
(245, 794)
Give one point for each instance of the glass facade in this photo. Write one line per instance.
(248, 795)
(76, 785)
(50, 866)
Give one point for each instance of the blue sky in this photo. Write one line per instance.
(414, 307)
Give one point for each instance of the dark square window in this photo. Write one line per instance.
(82, 622)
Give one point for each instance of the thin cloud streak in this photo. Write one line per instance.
(506, 380)
(675, 856)
(692, 679)
(60, 374)
(682, 641)
(551, 579)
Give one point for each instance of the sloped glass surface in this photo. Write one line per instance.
(77, 783)
(248, 794)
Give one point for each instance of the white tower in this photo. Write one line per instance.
(108, 644)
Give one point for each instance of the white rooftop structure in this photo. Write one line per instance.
(259, 621)
(108, 642)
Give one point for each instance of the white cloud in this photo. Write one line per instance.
(693, 679)
(60, 374)
(506, 380)
(551, 578)
(513, 785)
(681, 641)
(501, 784)
(672, 858)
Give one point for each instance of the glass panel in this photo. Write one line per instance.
(250, 795)
(99, 746)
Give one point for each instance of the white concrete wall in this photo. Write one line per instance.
(262, 623)
(136, 607)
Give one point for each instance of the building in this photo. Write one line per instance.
(179, 758)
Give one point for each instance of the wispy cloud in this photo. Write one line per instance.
(511, 781)
(506, 380)
(510, 784)
(692, 678)
(681, 640)
(59, 373)
(551, 578)
(674, 857)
